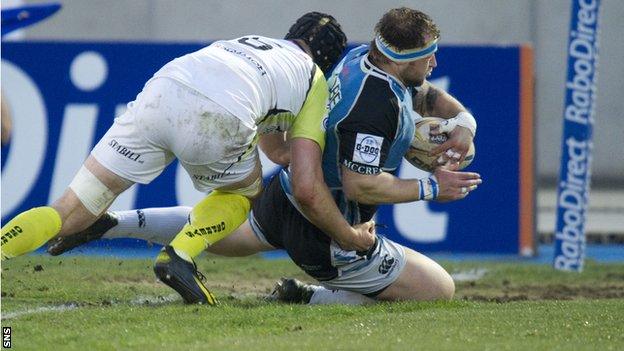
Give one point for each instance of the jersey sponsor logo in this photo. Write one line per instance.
(362, 169)
(387, 264)
(141, 217)
(210, 177)
(324, 124)
(335, 94)
(367, 149)
(124, 151)
(253, 61)
(270, 130)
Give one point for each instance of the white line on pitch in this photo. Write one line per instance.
(58, 308)
(138, 301)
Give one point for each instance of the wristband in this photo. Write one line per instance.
(428, 189)
(466, 120)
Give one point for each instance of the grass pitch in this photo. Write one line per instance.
(84, 303)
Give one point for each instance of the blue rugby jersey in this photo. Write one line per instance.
(368, 130)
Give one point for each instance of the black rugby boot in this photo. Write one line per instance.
(182, 276)
(291, 290)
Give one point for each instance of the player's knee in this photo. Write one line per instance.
(446, 288)
(438, 288)
(432, 280)
(442, 284)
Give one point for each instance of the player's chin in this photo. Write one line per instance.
(416, 82)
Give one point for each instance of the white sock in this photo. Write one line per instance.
(158, 225)
(324, 296)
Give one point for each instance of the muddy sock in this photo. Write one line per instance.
(324, 296)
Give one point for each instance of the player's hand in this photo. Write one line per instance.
(362, 238)
(455, 185)
(455, 148)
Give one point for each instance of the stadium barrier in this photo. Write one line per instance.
(64, 96)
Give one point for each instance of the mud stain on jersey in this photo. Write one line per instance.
(154, 103)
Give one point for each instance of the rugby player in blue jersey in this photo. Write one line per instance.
(377, 93)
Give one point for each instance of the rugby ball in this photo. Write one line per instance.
(425, 141)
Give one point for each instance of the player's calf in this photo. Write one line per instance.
(63, 244)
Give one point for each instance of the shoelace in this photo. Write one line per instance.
(200, 275)
(273, 295)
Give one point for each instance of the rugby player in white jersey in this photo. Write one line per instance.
(208, 109)
(389, 77)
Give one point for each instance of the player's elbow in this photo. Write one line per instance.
(357, 190)
(283, 159)
(280, 157)
(362, 188)
(304, 193)
(351, 191)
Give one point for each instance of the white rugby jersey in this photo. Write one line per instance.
(251, 76)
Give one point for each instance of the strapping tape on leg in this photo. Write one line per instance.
(93, 194)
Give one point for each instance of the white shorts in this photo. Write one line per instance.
(169, 119)
(371, 276)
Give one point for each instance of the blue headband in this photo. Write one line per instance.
(405, 55)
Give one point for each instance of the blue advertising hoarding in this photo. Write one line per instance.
(576, 146)
(64, 97)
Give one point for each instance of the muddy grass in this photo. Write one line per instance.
(474, 292)
(238, 279)
(503, 291)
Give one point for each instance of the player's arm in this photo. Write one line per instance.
(316, 202)
(276, 147)
(431, 101)
(307, 140)
(6, 122)
(385, 188)
(366, 136)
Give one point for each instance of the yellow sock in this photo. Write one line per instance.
(214, 218)
(29, 230)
